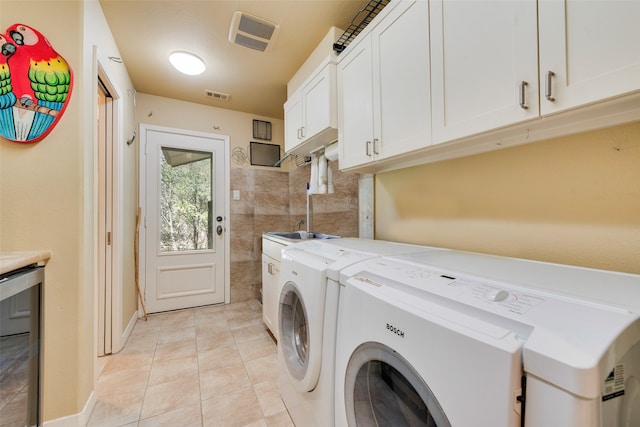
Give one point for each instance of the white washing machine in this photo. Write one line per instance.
(307, 314)
(461, 339)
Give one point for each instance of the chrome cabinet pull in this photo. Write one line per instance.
(270, 268)
(376, 144)
(302, 131)
(299, 133)
(547, 86)
(523, 88)
(368, 148)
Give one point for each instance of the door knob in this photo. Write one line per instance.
(219, 230)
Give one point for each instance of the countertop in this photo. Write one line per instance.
(10, 261)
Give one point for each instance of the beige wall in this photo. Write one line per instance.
(48, 199)
(238, 126)
(42, 195)
(572, 200)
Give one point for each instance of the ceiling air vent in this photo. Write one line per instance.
(252, 32)
(217, 95)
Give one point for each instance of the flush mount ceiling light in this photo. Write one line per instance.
(187, 63)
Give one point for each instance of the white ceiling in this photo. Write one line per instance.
(147, 31)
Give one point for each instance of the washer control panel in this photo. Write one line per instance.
(475, 292)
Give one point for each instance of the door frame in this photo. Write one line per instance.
(118, 336)
(106, 145)
(142, 168)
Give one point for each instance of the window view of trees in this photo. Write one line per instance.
(185, 201)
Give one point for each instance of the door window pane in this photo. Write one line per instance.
(186, 209)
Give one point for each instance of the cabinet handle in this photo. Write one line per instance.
(376, 144)
(523, 88)
(299, 133)
(302, 131)
(368, 148)
(270, 268)
(547, 86)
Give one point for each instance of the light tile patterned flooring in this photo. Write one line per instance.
(208, 366)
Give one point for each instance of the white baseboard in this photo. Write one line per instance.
(127, 332)
(76, 420)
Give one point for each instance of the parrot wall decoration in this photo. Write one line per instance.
(7, 98)
(39, 81)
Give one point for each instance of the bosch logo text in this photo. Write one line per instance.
(398, 332)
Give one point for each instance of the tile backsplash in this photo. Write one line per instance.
(276, 201)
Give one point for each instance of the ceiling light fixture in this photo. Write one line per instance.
(187, 63)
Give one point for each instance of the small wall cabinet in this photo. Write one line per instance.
(310, 113)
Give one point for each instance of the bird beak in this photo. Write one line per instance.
(8, 49)
(17, 37)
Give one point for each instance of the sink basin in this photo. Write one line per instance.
(300, 235)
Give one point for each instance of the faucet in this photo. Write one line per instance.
(299, 224)
(308, 210)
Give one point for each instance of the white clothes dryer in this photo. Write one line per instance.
(307, 314)
(461, 339)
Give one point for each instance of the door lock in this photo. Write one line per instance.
(219, 218)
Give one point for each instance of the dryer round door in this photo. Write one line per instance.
(295, 338)
(383, 389)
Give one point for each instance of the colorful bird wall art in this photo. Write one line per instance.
(35, 85)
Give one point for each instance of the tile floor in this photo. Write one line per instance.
(209, 366)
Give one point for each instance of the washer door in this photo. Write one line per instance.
(383, 389)
(294, 332)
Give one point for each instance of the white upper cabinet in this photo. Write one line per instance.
(292, 121)
(384, 106)
(310, 114)
(484, 65)
(592, 49)
(355, 107)
(428, 81)
(485, 73)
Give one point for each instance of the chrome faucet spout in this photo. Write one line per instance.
(299, 224)
(308, 208)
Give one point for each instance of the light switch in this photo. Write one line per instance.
(236, 194)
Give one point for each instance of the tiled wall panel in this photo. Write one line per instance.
(275, 201)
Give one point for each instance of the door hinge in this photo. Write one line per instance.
(108, 238)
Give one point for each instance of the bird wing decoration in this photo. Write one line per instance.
(35, 85)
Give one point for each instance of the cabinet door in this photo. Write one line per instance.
(402, 115)
(481, 53)
(355, 106)
(270, 293)
(591, 47)
(318, 98)
(292, 121)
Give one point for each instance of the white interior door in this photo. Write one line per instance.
(185, 201)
